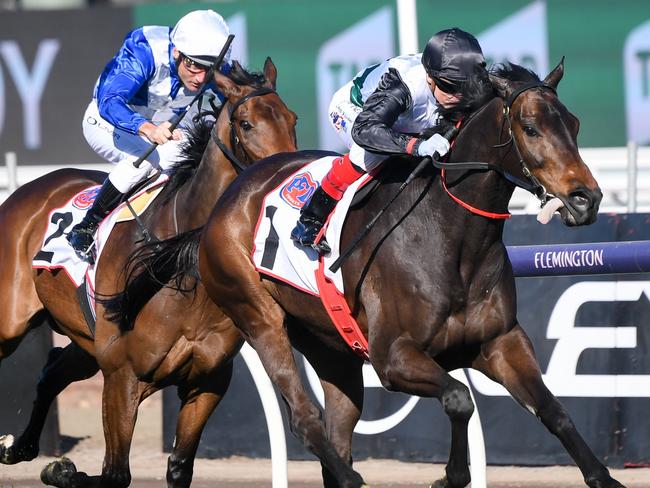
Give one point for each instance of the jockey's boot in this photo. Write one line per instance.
(316, 212)
(81, 237)
(312, 219)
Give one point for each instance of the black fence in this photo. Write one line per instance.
(18, 377)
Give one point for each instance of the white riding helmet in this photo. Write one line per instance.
(200, 36)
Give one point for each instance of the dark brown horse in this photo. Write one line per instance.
(173, 342)
(430, 286)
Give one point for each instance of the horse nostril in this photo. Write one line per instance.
(580, 200)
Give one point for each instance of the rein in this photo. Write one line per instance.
(234, 140)
(532, 185)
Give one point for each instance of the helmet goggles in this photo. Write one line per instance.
(194, 64)
(452, 87)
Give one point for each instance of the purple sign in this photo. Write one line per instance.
(580, 259)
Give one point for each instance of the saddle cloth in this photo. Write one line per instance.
(275, 254)
(56, 252)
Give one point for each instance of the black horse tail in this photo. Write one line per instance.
(172, 263)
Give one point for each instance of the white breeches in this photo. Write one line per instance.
(123, 148)
(342, 114)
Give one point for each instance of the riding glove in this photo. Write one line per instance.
(435, 144)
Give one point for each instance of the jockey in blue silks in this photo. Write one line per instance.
(157, 73)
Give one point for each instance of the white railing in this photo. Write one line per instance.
(14, 173)
(622, 172)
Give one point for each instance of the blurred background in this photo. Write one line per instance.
(51, 52)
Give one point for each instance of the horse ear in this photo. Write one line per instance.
(270, 73)
(555, 76)
(227, 86)
(502, 86)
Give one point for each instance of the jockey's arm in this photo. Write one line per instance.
(120, 83)
(372, 129)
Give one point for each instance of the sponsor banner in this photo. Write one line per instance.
(49, 61)
(318, 47)
(637, 83)
(591, 340)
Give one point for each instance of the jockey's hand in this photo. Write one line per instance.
(159, 134)
(434, 144)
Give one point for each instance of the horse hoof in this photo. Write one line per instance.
(59, 473)
(11, 452)
(7, 452)
(441, 483)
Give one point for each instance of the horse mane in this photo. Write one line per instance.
(198, 135)
(150, 268)
(514, 72)
(242, 77)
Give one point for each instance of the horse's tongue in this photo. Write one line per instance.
(546, 214)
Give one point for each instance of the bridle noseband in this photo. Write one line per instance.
(234, 140)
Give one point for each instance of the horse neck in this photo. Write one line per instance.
(213, 175)
(453, 229)
(485, 190)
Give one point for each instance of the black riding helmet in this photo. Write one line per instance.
(450, 57)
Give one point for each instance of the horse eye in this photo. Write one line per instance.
(245, 124)
(530, 131)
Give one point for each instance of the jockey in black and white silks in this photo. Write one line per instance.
(376, 111)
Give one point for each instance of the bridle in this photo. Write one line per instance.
(234, 140)
(531, 183)
(535, 187)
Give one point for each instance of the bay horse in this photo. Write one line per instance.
(431, 285)
(169, 343)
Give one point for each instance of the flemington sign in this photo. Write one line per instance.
(580, 259)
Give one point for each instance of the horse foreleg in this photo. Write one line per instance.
(234, 285)
(120, 400)
(63, 367)
(408, 369)
(266, 334)
(196, 408)
(341, 377)
(510, 360)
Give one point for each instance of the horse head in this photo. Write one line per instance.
(544, 136)
(255, 119)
